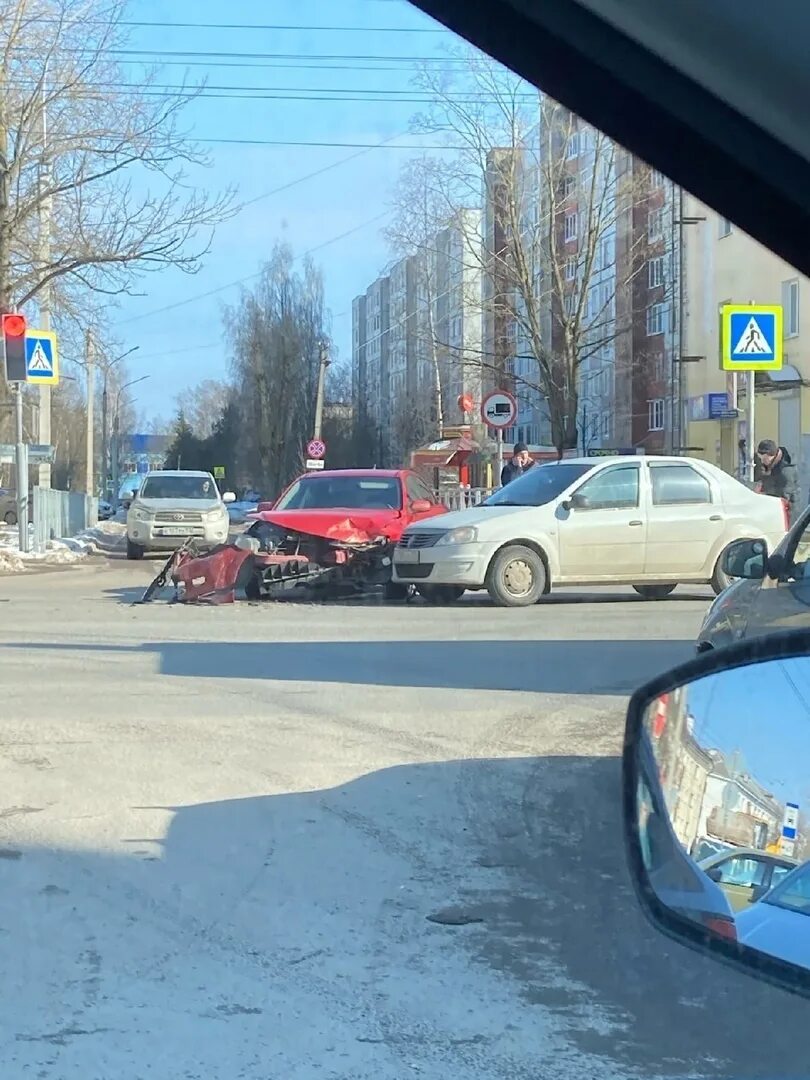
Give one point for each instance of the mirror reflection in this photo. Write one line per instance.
(723, 797)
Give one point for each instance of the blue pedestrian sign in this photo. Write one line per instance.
(41, 358)
(751, 337)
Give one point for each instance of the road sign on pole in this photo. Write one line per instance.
(219, 472)
(316, 448)
(752, 337)
(499, 409)
(41, 357)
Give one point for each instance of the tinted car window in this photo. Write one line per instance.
(343, 492)
(742, 870)
(613, 489)
(179, 487)
(674, 484)
(540, 485)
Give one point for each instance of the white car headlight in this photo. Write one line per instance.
(140, 514)
(466, 534)
(216, 515)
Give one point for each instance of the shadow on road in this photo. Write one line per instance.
(309, 915)
(562, 667)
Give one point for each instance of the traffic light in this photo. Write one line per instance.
(14, 347)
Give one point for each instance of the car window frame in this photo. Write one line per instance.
(765, 864)
(653, 466)
(589, 479)
(413, 478)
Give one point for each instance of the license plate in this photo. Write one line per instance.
(405, 555)
(175, 530)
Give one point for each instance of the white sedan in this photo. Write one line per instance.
(652, 523)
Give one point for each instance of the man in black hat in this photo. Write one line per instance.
(774, 473)
(518, 464)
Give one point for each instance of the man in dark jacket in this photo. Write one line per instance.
(518, 464)
(775, 474)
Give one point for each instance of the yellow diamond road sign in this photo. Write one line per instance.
(751, 337)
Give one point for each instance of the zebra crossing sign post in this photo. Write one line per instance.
(752, 337)
(751, 341)
(41, 358)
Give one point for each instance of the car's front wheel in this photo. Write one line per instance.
(516, 577)
(654, 592)
(134, 551)
(10, 517)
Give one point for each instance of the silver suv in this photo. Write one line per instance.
(171, 506)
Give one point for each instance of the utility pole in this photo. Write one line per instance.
(91, 373)
(105, 452)
(324, 364)
(44, 298)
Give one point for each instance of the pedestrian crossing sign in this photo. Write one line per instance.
(41, 357)
(751, 337)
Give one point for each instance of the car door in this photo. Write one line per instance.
(742, 877)
(685, 524)
(784, 604)
(603, 539)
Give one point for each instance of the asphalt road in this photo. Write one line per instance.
(350, 841)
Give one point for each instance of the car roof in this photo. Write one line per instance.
(178, 472)
(769, 856)
(674, 83)
(367, 473)
(654, 459)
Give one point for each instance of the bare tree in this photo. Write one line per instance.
(281, 324)
(553, 205)
(203, 405)
(97, 159)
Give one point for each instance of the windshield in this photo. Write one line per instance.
(343, 492)
(793, 892)
(179, 487)
(540, 485)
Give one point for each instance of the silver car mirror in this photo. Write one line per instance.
(717, 805)
(746, 559)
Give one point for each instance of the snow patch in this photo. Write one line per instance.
(105, 536)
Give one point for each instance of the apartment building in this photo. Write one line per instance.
(359, 380)
(724, 265)
(402, 348)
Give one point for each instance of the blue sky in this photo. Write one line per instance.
(181, 346)
(762, 711)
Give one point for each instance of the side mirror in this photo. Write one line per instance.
(575, 502)
(746, 559)
(715, 873)
(697, 739)
(421, 506)
(229, 497)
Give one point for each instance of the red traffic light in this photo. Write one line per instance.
(14, 325)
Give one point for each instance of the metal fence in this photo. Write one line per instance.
(461, 498)
(61, 514)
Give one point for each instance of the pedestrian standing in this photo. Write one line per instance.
(775, 474)
(519, 463)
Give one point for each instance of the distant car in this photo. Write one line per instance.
(172, 506)
(778, 924)
(105, 510)
(8, 507)
(745, 874)
(771, 591)
(651, 523)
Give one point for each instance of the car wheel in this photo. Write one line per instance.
(10, 517)
(654, 592)
(440, 594)
(134, 551)
(720, 579)
(395, 591)
(516, 577)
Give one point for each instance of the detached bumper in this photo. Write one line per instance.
(462, 564)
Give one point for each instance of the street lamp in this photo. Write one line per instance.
(116, 416)
(105, 453)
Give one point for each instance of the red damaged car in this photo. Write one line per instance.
(343, 524)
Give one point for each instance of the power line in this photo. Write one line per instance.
(251, 277)
(183, 88)
(270, 26)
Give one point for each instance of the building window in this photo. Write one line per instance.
(572, 149)
(724, 227)
(790, 304)
(656, 319)
(655, 272)
(655, 414)
(656, 178)
(606, 432)
(570, 228)
(571, 268)
(569, 187)
(570, 303)
(655, 224)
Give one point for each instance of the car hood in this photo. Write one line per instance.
(476, 515)
(345, 526)
(177, 505)
(775, 931)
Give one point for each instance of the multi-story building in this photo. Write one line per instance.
(377, 388)
(724, 265)
(402, 358)
(359, 379)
